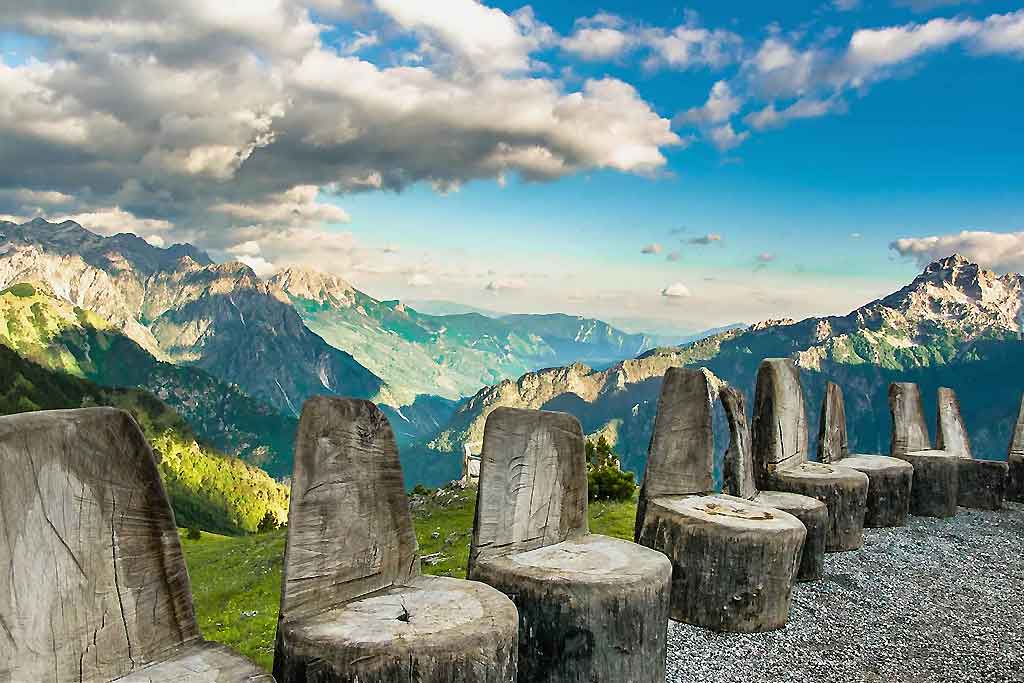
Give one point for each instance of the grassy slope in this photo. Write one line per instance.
(235, 576)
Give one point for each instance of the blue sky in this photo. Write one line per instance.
(765, 156)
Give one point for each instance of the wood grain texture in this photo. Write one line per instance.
(889, 479)
(936, 483)
(354, 607)
(533, 483)
(733, 561)
(739, 481)
(95, 586)
(982, 483)
(780, 453)
(1015, 459)
(591, 608)
(909, 429)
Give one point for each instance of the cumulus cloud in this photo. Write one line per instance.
(116, 220)
(721, 104)
(691, 45)
(227, 119)
(770, 117)
(653, 248)
(676, 290)
(705, 240)
(724, 137)
(999, 251)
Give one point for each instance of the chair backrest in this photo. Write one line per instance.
(833, 443)
(779, 432)
(94, 583)
(533, 483)
(349, 529)
(951, 434)
(909, 430)
(1017, 441)
(739, 464)
(681, 457)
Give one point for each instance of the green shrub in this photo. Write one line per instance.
(194, 533)
(605, 479)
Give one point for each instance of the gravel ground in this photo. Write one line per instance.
(937, 601)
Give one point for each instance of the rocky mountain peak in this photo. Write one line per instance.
(314, 285)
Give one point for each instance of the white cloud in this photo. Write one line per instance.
(1000, 251)
(298, 206)
(705, 240)
(505, 283)
(676, 290)
(419, 280)
(720, 106)
(724, 137)
(653, 248)
(690, 45)
(597, 43)
(770, 117)
(115, 220)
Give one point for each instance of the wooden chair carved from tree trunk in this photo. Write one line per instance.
(354, 606)
(781, 456)
(1015, 460)
(733, 560)
(890, 479)
(982, 483)
(936, 472)
(739, 481)
(591, 608)
(94, 585)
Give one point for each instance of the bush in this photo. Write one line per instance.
(420, 490)
(194, 533)
(605, 479)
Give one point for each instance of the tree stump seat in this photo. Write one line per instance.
(982, 483)
(890, 483)
(458, 626)
(355, 607)
(781, 456)
(936, 472)
(1015, 460)
(94, 585)
(591, 608)
(733, 560)
(200, 662)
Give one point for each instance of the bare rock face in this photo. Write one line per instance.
(780, 453)
(890, 480)
(591, 608)
(936, 473)
(1015, 459)
(982, 482)
(733, 561)
(354, 607)
(95, 586)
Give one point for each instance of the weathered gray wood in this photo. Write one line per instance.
(936, 473)
(680, 458)
(780, 453)
(591, 608)
(982, 482)
(354, 607)
(889, 479)
(94, 585)
(739, 481)
(535, 492)
(1015, 459)
(909, 429)
(733, 561)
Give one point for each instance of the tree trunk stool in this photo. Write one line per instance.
(591, 608)
(982, 483)
(1015, 460)
(94, 586)
(739, 481)
(354, 605)
(733, 560)
(890, 480)
(780, 455)
(936, 473)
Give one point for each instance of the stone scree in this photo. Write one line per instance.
(591, 608)
(739, 481)
(982, 483)
(94, 586)
(890, 480)
(936, 472)
(780, 448)
(1015, 459)
(354, 606)
(733, 560)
